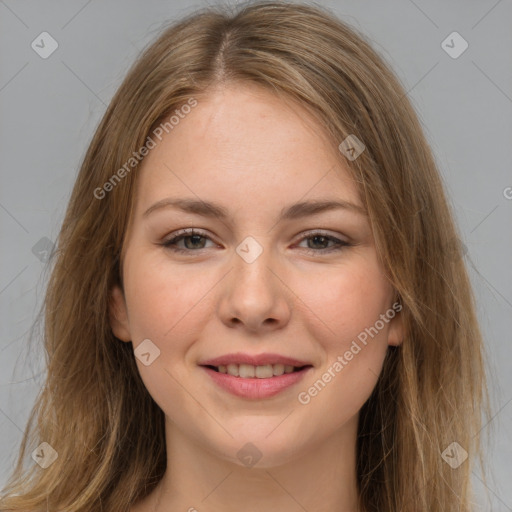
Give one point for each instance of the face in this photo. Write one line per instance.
(264, 284)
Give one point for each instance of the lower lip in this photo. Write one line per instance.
(256, 388)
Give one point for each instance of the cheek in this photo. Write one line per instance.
(344, 317)
(350, 300)
(169, 308)
(159, 296)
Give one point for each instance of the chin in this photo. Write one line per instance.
(261, 450)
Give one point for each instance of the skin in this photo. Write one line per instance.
(254, 153)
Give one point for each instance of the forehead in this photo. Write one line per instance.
(247, 148)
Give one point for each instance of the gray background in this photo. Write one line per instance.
(50, 107)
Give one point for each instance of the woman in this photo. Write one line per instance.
(317, 350)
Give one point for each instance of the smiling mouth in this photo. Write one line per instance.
(249, 371)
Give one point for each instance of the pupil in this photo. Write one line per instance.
(316, 237)
(189, 238)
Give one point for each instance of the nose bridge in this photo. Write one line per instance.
(254, 294)
(252, 262)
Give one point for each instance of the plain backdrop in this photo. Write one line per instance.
(49, 108)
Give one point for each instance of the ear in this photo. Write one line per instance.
(396, 326)
(118, 313)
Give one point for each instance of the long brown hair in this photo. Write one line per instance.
(432, 387)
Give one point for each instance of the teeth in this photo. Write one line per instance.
(264, 372)
(278, 369)
(248, 371)
(233, 370)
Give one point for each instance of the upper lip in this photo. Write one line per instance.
(255, 360)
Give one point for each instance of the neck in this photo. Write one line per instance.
(322, 479)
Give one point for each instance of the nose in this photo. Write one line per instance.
(255, 295)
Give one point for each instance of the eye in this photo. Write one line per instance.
(320, 240)
(190, 236)
(192, 240)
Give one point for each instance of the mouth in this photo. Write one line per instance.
(255, 376)
(249, 371)
(256, 382)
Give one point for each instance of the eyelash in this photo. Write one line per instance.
(170, 244)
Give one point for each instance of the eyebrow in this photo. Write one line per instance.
(294, 211)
